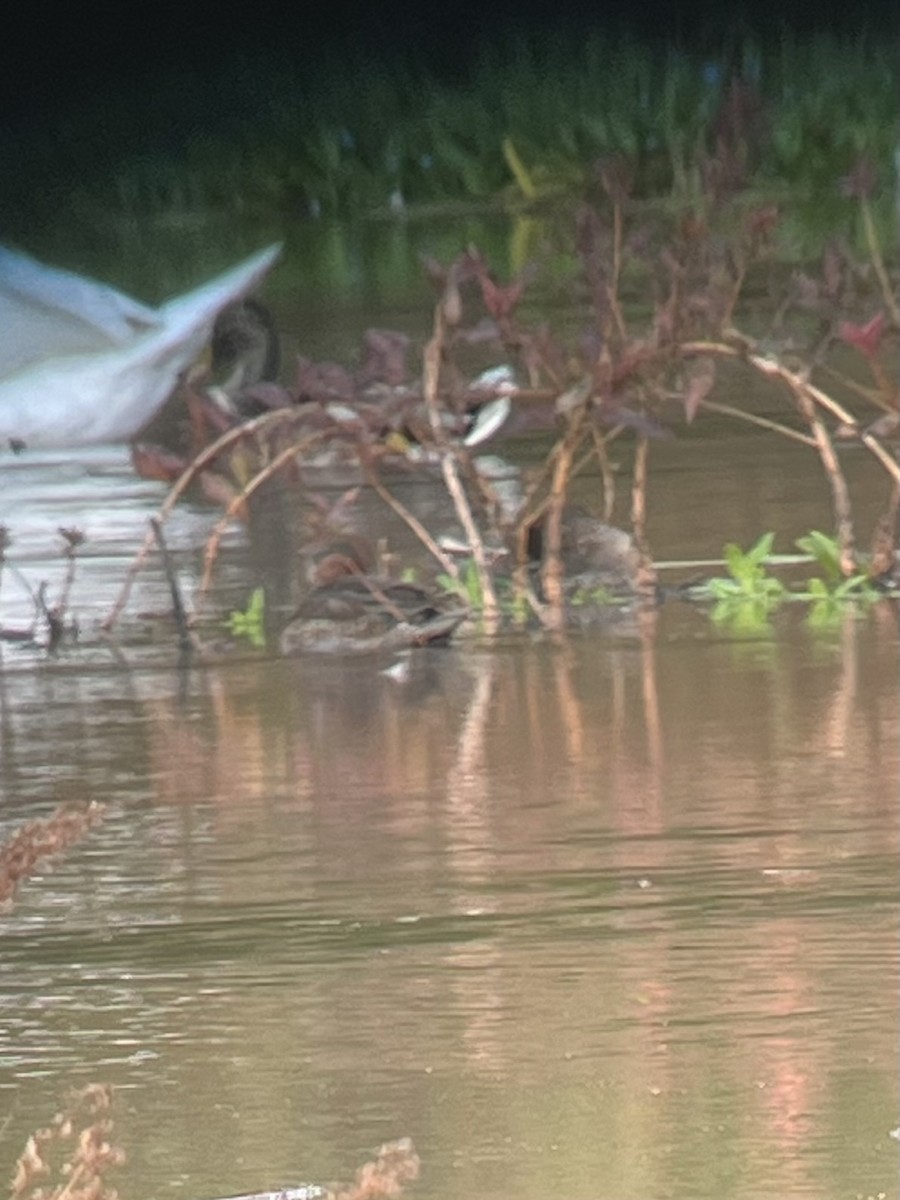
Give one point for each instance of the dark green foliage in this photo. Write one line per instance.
(347, 137)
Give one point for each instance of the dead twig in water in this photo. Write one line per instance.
(607, 477)
(794, 381)
(73, 540)
(840, 492)
(16, 635)
(809, 400)
(383, 1178)
(194, 468)
(187, 639)
(411, 521)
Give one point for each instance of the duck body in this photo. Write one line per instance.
(361, 614)
(596, 556)
(81, 363)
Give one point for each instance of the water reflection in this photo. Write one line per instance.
(95, 490)
(332, 275)
(614, 916)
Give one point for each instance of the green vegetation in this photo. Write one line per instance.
(748, 595)
(825, 552)
(830, 593)
(250, 623)
(670, 300)
(747, 576)
(529, 122)
(630, 379)
(744, 599)
(467, 585)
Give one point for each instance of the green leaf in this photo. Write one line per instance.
(825, 552)
(250, 623)
(759, 552)
(825, 615)
(735, 560)
(724, 589)
(744, 618)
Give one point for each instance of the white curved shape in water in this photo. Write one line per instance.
(81, 364)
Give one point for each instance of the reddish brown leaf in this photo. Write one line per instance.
(864, 338)
(153, 462)
(384, 358)
(322, 381)
(693, 228)
(701, 376)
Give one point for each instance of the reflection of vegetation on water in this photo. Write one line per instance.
(25, 852)
(532, 784)
(74, 1155)
(605, 861)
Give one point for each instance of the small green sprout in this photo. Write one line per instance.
(250, 623)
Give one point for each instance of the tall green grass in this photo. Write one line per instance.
(349, 136)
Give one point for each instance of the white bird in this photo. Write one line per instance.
(80, 363)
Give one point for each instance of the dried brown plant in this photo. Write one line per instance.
(42, 838)
(394, 1166)
(70, 1158)
(631, 376)
(383, 1178)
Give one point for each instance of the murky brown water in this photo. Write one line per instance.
(612, 918)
